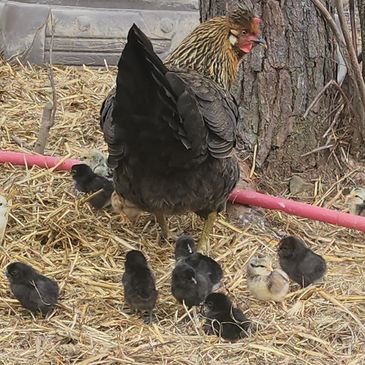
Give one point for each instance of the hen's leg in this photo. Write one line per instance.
(207, 229)
(161, 220)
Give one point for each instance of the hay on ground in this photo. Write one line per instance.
(84, 250)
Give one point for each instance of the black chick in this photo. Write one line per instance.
(139, 283)
(300, 263)
(185, 246)
(188, 285)
(34, 291)
(87, 181)
(223, 319)
(186, 251)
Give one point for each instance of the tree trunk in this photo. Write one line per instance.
(361, 5)
(278, 84)
(210, 8)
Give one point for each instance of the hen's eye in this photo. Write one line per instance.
(243, 32)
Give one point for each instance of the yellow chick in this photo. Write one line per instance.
(356, 201)
(4, 213)
(264, 282)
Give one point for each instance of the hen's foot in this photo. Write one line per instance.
(203, 244)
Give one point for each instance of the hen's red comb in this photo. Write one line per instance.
(255, 25)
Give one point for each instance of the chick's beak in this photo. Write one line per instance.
(261, 42)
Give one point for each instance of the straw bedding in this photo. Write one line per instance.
(84, 251)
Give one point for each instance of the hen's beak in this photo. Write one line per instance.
(261, 42)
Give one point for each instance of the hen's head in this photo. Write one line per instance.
(244, 29)
(215, 47)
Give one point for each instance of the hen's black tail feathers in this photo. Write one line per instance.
(170, 120)
(145, 108)
(140, 50)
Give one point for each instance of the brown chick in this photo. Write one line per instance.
(264, 282)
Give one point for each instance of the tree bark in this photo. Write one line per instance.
(361, 6)
(277, 85)
(211, 8)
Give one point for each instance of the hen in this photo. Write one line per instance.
(171, 131)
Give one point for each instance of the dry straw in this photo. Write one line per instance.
(84, 250)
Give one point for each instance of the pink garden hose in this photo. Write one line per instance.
(20, 158)
(238, 196)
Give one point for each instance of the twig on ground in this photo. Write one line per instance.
(20, 142)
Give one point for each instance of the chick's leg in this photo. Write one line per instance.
(207, 229)
(161, 220)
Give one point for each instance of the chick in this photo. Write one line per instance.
(186, 251)
(97, 162)
(139, 283)
(124, 206)
(4, 213)
(35, 292)
(188, 286)
(87, 181)
(264, 282)
(356, 201)
(223, 319)
(300, 263)
(184, 246)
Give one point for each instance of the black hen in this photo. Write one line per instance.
(300, 263)
(170, 135)
(35, 292)
(139, 283)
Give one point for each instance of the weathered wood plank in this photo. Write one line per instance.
(105, 45)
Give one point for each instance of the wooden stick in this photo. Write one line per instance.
(329, 83)
(352, 56)
(49, 111)
(20, 142)
(353, 24)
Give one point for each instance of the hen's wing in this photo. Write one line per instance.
(169, 119)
